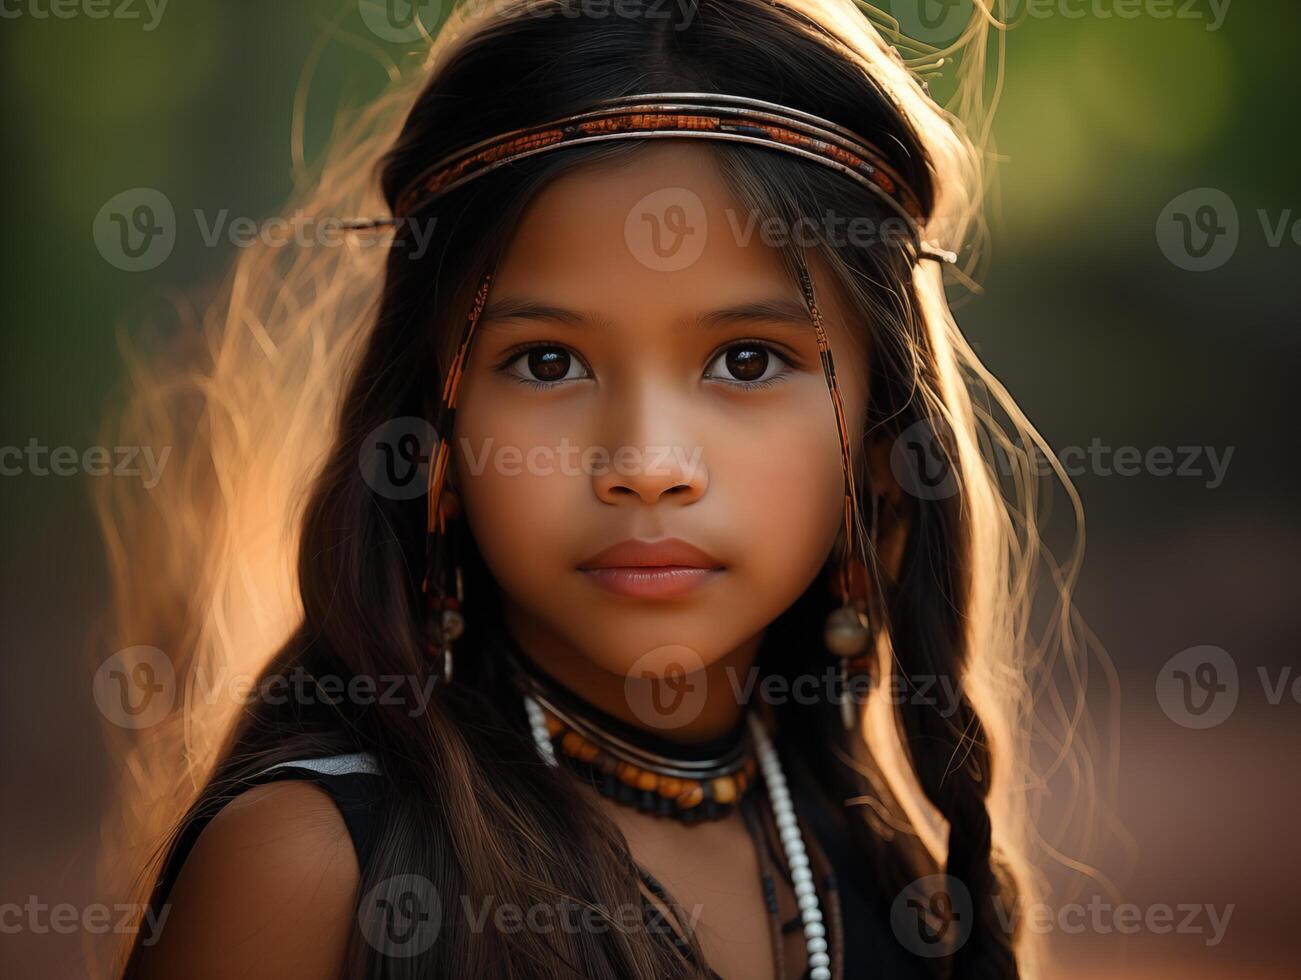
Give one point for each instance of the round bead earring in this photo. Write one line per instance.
(848, 635)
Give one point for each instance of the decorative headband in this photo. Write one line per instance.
(682, 115)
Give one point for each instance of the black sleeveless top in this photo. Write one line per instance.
(871, 949)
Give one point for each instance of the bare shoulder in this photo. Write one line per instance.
(268, 890)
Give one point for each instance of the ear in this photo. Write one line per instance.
(896, 506)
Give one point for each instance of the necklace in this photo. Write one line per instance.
(705, 781)
(797, 858)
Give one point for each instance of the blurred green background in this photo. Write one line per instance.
(1105, 120)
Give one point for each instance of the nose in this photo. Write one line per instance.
(660, 463)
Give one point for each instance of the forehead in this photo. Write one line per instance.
(661, 222)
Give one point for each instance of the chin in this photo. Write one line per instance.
(658, 642)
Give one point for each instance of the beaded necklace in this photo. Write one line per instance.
(704, 781)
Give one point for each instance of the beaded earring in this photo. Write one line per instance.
(446, 618)
(847, 632)
(446, 615)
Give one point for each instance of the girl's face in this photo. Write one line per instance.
(645, 370)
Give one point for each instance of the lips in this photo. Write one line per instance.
(663, 569)
(667, 552)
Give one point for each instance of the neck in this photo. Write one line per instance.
(712, 688)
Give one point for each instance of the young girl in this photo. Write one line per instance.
(658, 609)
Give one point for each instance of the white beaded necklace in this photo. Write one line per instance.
(797, 859)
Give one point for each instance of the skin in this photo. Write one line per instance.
(755, 477)
(268, 893)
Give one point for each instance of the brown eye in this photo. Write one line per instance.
(545, 365)
(549, 363)
(746, 363)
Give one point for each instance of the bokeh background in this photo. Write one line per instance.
(1120, 123)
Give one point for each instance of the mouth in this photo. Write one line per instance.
(664, 569)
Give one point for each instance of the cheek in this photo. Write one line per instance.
(517, 492)
(785, 492)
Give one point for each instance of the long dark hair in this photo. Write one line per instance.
(466, 803)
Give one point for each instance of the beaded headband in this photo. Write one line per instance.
(685, 115)
(690, 115)
(680, 115)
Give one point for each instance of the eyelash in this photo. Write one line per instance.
(515, 353)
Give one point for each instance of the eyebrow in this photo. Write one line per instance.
(782, 310)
